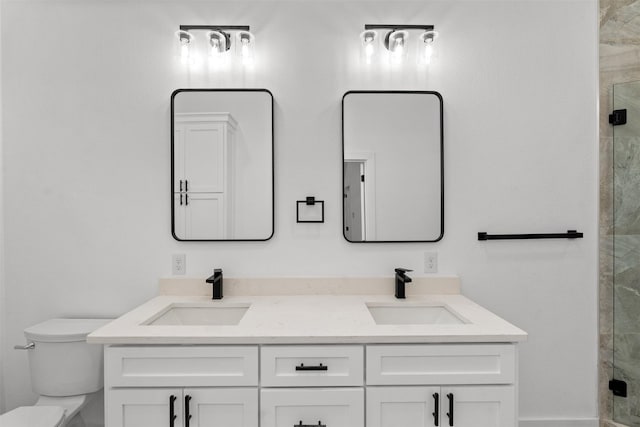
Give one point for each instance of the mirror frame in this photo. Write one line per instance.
(273, 197)
(421, 92)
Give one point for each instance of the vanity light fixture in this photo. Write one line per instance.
(185, 38)
(369, 39)
(246, 43)
(396, 41)
(425, 46)
(219, 41)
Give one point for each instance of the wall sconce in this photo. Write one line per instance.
(396, 42)
(218, 42)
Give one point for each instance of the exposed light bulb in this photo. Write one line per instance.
(368, 38)
(245, 47)
(428, 53)
(215, 47)
(184, 49)
(184, 38)
(368, 48)
(426, 50)
(396, 41)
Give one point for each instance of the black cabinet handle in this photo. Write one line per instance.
(186, 199)
(180, 199)
(172, 410)
(310, 425)
(320, 367)
(186, 185)
(436, 409)
(450, 413)
(180, 185)
(187, 415)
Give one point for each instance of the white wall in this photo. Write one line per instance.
(86, 88)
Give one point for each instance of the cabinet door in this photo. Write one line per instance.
(220, 407)
(204, 216)
(137, 407)
(330, 407)
(404, 406)
(478, 406)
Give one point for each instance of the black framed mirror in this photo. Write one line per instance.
(222, 174)
(392, 166)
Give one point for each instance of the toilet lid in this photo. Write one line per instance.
(33, 416)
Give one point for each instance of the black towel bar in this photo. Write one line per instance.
(570, 234)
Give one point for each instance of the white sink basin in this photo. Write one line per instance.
(193, 314)
(396, 314)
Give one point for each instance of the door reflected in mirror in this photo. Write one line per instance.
(222, 164)
(393, 178)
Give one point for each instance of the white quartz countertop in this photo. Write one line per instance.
(308, 319)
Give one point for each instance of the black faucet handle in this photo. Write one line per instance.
(400, 270)
(216, 281)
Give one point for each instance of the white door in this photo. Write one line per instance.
(403, 407)
(136, 407)
(204, 216)
(203, 153)
(330, 407)
(221, 407)
(478, 406)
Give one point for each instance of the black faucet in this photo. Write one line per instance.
(401, 280)
(216, 281)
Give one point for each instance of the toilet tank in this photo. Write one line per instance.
(61, 362)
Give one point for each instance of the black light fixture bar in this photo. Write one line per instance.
(398, 27)
(215, 27)
(571, 234)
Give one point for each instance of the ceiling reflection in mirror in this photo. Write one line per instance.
(393, 179)
(222, 164)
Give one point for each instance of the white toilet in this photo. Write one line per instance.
(65, 370)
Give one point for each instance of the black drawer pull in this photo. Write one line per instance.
(180, 185)
(187, 415)
(436, 409)
(320, 367)
(450, 413)
(172, 413)
(186, 185)
(310, 425)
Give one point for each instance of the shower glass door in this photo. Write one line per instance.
(626, 247)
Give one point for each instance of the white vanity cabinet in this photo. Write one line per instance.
(181, 386)
(183, 407)
(312, 385)
(459, 385)
(388, 385)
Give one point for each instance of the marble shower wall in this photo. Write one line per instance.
(619, 63)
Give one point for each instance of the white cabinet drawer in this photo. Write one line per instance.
(312, 366)
(341, 407)
(183, 366)
(433, 364)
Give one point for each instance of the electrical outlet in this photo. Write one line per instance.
(179, 264)
(431, 262)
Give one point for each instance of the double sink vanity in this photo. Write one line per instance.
(336, 352)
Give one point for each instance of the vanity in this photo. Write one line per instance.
(337, 352)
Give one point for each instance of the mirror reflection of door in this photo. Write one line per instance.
(203, 161)
(354, 193)
(398, 137)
